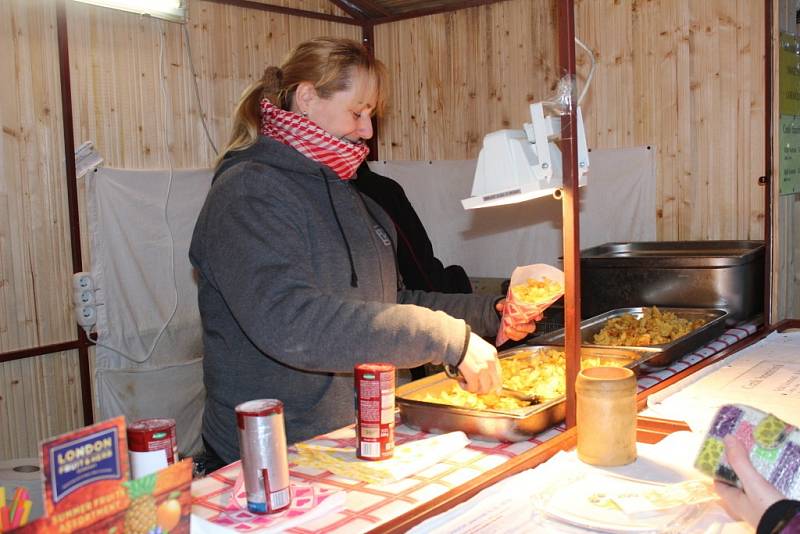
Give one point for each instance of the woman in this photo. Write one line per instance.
(297, 274)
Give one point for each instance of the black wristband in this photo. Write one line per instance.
(777, 516)
(452, 370)
(466, 347)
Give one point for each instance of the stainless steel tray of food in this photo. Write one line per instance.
(663, 353)
(500, 424)
(727, 275)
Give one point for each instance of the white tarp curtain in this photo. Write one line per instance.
(145, 281)
(617, 204)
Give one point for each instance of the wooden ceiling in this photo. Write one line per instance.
(379, 11)
(365, 12)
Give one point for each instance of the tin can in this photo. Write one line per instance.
(374, 393)
(265, 465)
(152, 445)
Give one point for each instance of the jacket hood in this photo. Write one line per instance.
(288, 160)
(275, 154)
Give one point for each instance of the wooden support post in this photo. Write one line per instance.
(570, 204)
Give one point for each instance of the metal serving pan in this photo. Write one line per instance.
(663, 354)
(512, 425)
(725, 275)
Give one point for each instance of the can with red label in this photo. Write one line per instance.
(374, 392)
(152, 445)
(265, 464)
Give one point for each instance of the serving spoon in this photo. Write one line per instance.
(453, 372)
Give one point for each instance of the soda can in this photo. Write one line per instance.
(374, 396)
(265, 465)
(152, 445)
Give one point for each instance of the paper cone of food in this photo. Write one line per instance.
(532, 289)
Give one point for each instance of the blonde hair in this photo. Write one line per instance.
(329, 63)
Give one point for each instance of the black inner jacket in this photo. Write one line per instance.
(418, 266)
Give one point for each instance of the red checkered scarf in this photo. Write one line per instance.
(313, 142)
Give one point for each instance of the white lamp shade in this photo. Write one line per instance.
(509, 171)
(519, 165)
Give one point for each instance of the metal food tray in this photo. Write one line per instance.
(725, 275)
(663, 354)
(511, 426)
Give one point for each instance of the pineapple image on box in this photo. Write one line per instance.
(141, 517)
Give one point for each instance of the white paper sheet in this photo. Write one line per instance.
(765, 375)
(509, 506)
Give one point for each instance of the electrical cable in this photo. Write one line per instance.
(197, 89)
(591, 70)
(162, 83)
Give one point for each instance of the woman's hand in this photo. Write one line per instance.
(480, 368)
(758, 494)
(517, 331)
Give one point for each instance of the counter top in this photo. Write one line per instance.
(563, 492)
(400, 505)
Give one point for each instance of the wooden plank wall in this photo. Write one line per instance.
(38, 396)
(457, 76)
(683, 76)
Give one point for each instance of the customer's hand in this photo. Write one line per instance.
(517, 331)
(480, 368)
(758, 494)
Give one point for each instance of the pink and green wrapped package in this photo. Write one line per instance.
(773, 445)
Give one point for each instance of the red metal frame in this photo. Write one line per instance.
(288, 11)
(366, 7)
(72, 199)
(347, 8)
(415, 13)
(570, 206)
(42, 350)
(767, 180)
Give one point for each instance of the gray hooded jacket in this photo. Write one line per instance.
(298, 284)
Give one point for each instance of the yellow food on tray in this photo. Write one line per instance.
(541, 374)
(656, 327)
(534, 290)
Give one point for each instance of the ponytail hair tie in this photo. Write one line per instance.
(272, 84)
(272, 78)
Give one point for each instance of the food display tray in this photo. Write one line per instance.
(509, 426)
(725, 275)
(662, 355)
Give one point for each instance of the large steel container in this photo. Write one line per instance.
(677, 274)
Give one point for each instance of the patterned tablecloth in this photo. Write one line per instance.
(730, 337)
(367, 506)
